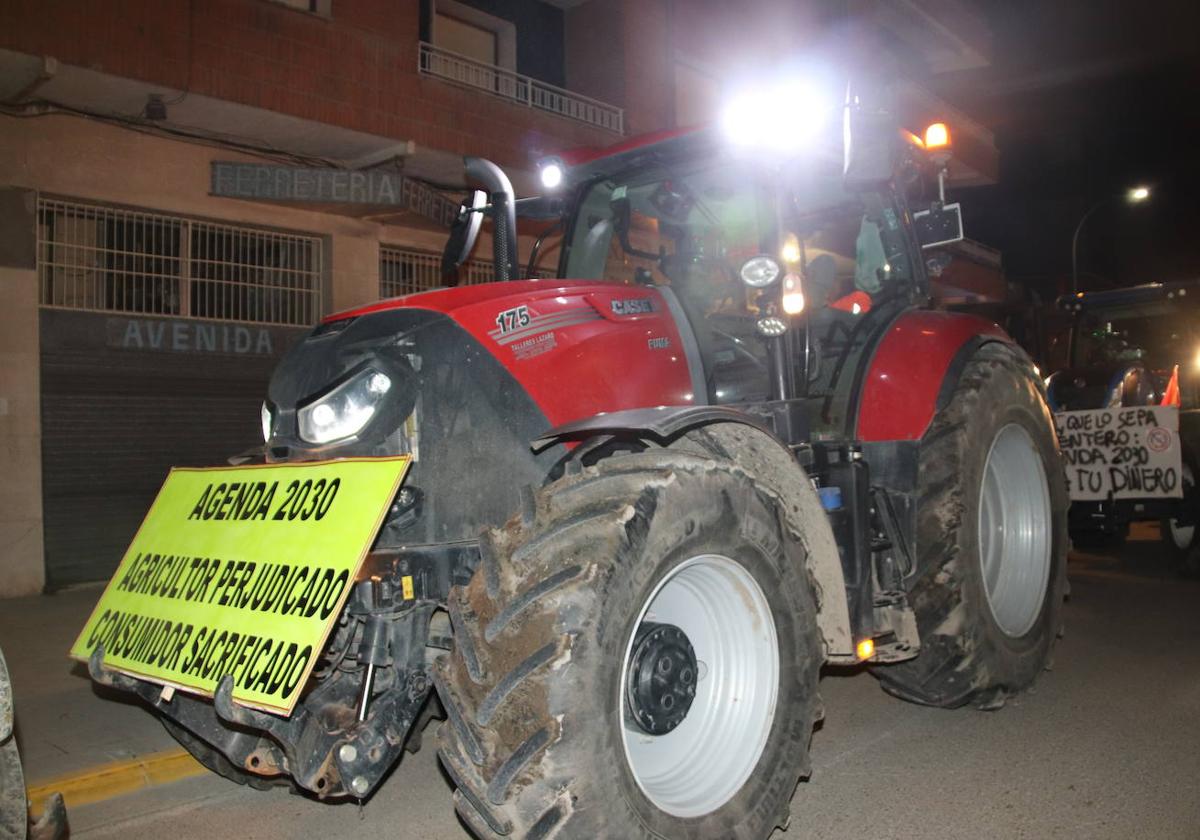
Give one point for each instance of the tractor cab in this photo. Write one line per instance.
(748, 253)
(1125, 344)
(783, 264)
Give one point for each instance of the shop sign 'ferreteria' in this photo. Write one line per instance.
(268, 182)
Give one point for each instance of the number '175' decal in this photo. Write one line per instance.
(512, 319)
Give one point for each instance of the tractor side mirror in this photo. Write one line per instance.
(463, 234)
(867, 145)
(939, 225)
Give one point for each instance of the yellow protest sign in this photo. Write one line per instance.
(241, 571)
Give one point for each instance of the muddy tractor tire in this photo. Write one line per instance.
(991, 538)
(635, 657)
(1183, 541)
(14, 817)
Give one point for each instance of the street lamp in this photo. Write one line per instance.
(1135, 195)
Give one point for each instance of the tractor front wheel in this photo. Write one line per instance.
(991, 540)
(636, 657)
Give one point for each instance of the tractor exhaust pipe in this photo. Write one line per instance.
(504, 214)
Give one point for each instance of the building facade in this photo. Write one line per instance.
(185, 187)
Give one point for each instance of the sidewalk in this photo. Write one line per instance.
(64, 724)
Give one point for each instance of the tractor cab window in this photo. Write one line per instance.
(1155, 336)
(691, 228)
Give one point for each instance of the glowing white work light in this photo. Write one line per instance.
(782, 117)
(551, 171)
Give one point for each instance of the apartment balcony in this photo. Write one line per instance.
(449, 66)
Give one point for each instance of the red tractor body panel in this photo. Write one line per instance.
(901, 388)
(578, 348)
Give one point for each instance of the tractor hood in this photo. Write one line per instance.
(465, 379)
(450, 300)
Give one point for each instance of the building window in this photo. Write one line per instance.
(463, 45)
(466, 39)
(470, 33)
(107, 259)
(697, 94)
(316, 7)
(405, 272)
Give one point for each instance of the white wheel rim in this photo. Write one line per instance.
(702, 763)
(1015, 530)
(1182, 535)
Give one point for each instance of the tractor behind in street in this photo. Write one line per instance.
(1137, 347)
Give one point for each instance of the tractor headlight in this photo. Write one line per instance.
(268, 421)
(345, 410)
(759, 272)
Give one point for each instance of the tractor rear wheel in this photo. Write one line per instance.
(636, 657)
(991, 540)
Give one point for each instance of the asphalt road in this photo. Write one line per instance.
(1106, 746)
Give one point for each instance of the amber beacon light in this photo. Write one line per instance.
(937, 136)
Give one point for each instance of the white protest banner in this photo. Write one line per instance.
(1121, 453)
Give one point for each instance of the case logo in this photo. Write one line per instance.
(633, 306)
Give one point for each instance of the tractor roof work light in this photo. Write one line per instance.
(781, 117)
(551, 173)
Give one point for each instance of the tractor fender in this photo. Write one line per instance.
(662, 423)
(914, 369)
(742, 439)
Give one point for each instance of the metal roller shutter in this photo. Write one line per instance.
(115, 419)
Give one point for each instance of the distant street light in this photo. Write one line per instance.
(1135, 195)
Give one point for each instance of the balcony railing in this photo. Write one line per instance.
(443, 64)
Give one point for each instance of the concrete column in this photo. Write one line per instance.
(22, 557)
(355, 271)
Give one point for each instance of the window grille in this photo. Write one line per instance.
(404, 272)
(107, 259)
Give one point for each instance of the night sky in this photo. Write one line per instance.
(1087, 98)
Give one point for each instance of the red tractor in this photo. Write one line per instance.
(649, 502)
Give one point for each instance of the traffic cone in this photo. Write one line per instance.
(1171, 394)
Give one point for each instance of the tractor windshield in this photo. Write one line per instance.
(691, 227)
(1159, 340)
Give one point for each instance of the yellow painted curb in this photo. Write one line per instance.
(117, 778)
